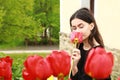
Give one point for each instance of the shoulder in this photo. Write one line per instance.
(98, 46)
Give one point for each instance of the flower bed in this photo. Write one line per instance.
(17, 65)
(18, 60)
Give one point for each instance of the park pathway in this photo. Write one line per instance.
(31, 49)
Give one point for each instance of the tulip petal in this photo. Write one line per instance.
(27, 76)
(60, 62)
(91, 53)
(43, 69)
(5, 68)
(76, 37)
(99, 63)
(31, 62)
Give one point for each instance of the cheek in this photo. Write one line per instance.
(86, 34)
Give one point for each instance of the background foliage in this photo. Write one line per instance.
(27, 22)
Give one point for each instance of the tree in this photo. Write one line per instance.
(18, 21)
(25, 19)
(47, 12)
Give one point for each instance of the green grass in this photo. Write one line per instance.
(25, 55)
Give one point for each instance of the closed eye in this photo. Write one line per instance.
(81, 25)
(73, 27)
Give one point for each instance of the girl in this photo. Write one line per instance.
(83, 21)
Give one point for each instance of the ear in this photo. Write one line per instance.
(91, 26)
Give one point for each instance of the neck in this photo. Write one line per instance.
(86, 45)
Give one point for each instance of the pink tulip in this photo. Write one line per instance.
(99, 63)
(76, 37)
(60, 63)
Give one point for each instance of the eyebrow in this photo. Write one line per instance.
(78, 25)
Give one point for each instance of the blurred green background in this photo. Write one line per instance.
(29, 23)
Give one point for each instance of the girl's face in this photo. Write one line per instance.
(79, 25)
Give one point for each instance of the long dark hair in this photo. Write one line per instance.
(87, 16)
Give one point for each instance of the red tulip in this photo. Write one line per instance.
(5, 68)
(8, 59)
(76, 37)
(43, 69)
(99, 63)
(31, 63)
(60, 63)
(36, 68)
(27, 76)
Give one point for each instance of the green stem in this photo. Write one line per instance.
(75, 45)
(71, 67)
